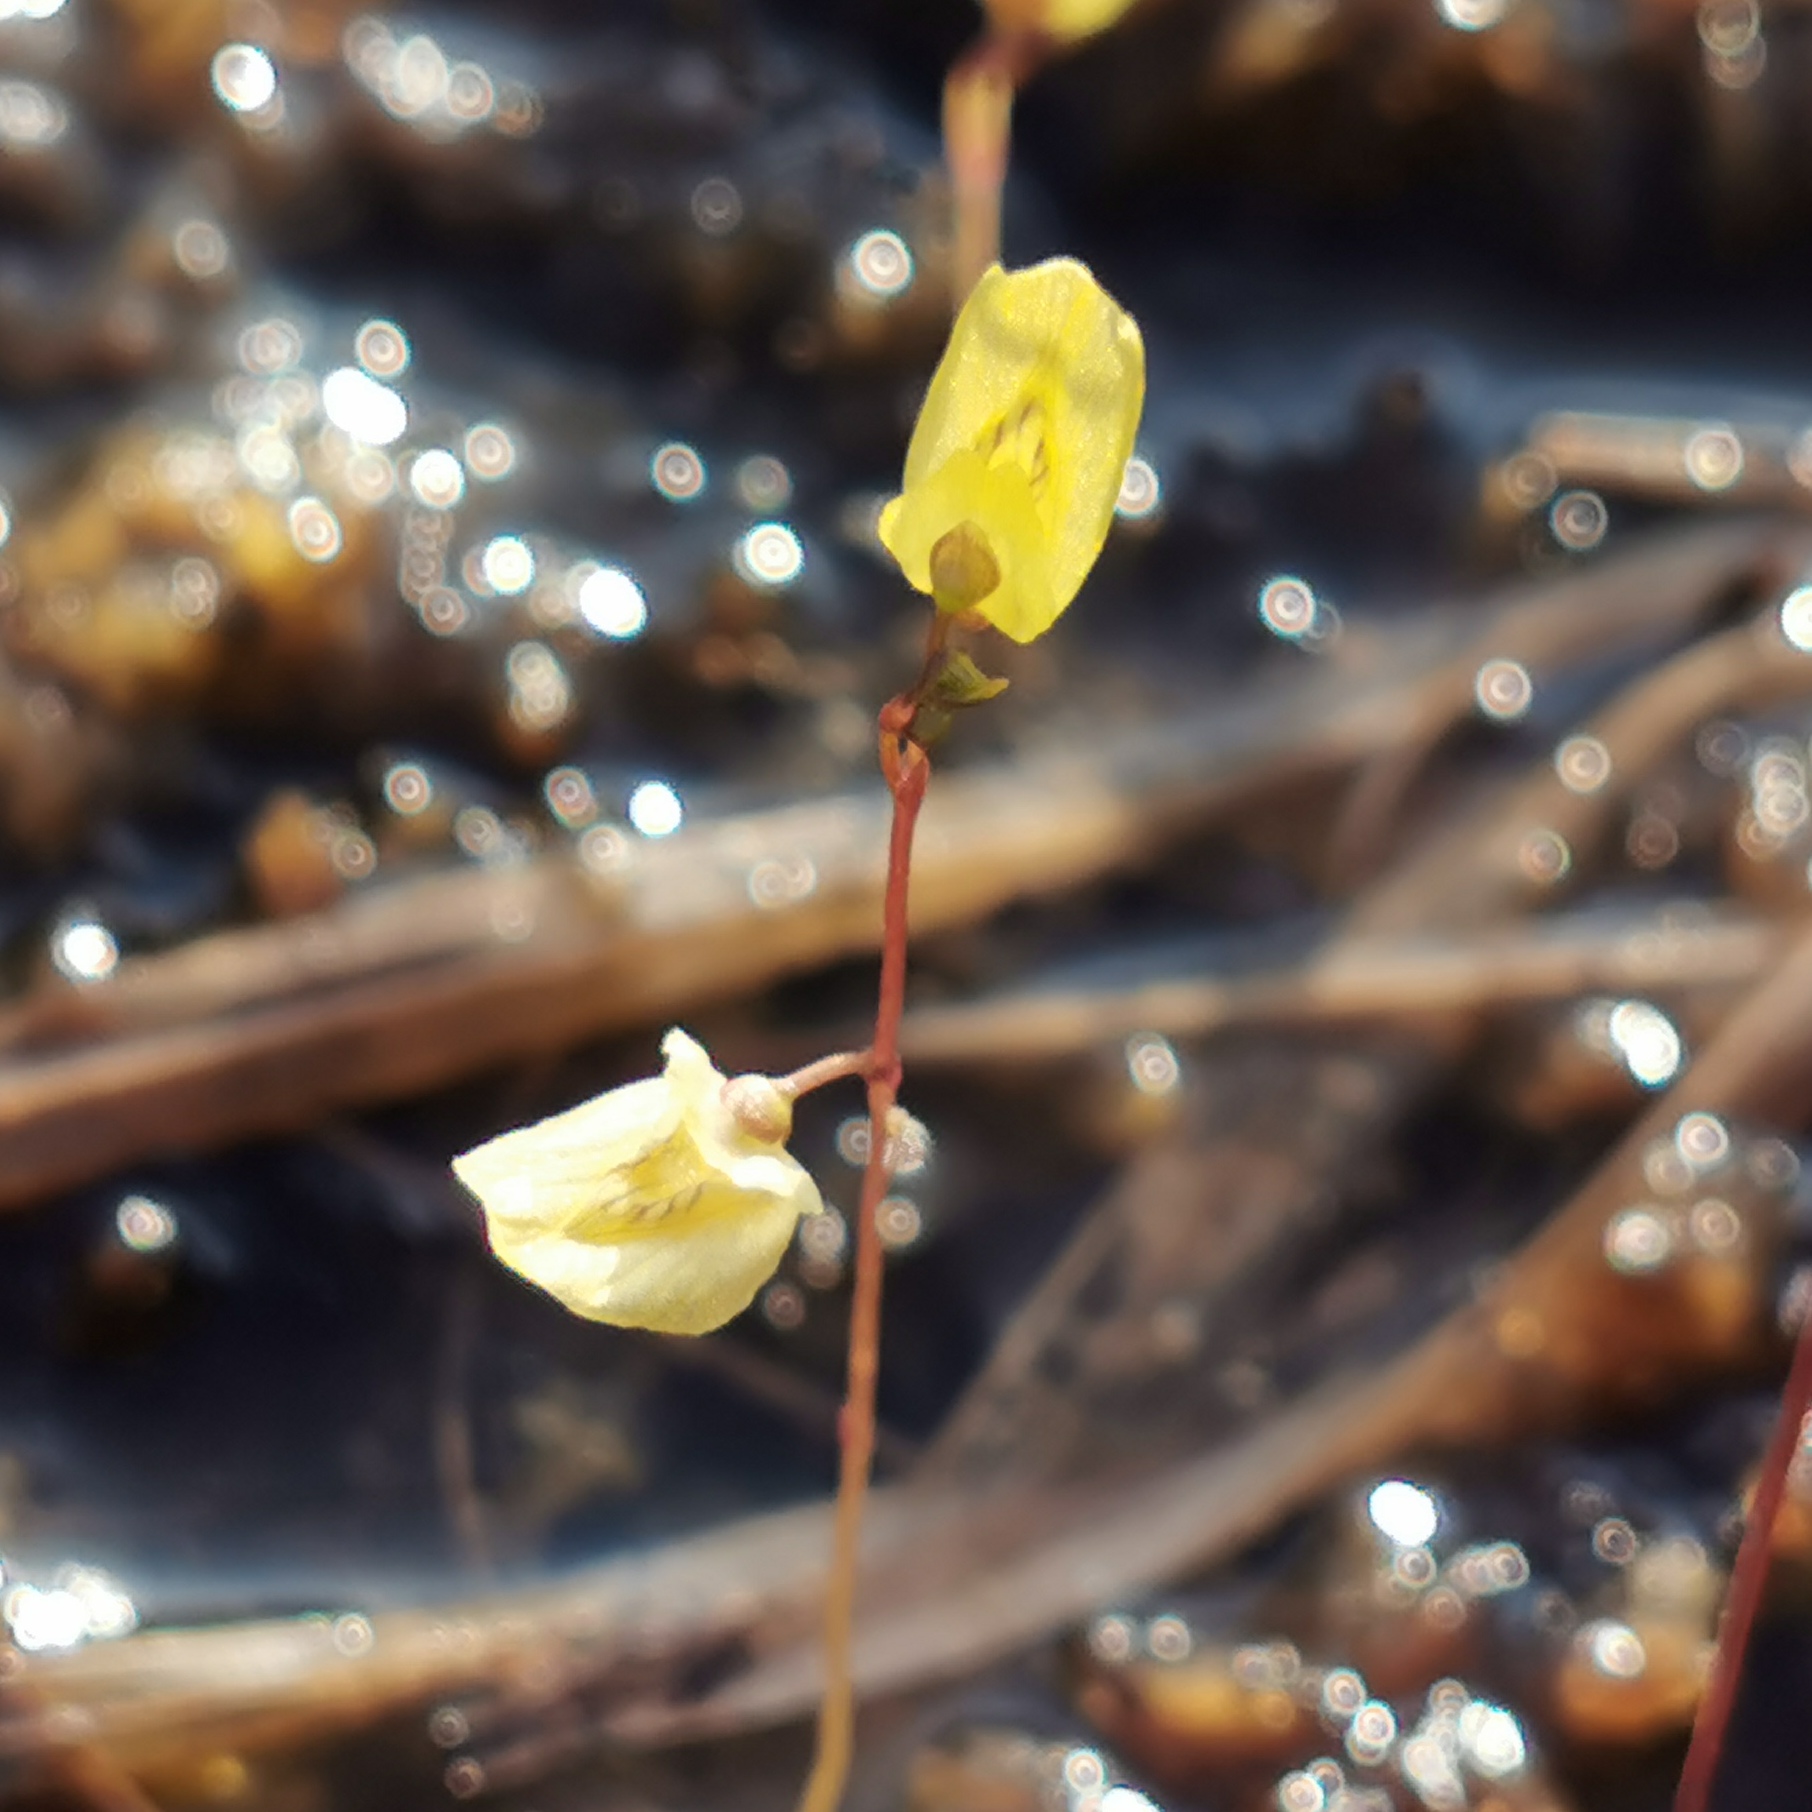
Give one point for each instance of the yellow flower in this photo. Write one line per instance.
(1067, 21)
(665, 1204)
(1022, 443)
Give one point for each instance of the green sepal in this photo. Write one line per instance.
(959, 683)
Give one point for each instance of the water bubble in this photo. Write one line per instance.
(353, 854)
(382, 348)
(1168, 1639)
(437, 479)
(84, 950)
(270, 346)
(604, 850)
(783, 1306)
(1140, 491)
(1579, 520)
(763, 483)
(1342, 1693)
(194, 591)
(570, 797)
(244, 77)
(541, 695)
(358, 405)
(144, 1225)
(899, 1222)
(265, 452)
(717, 206)
(1614, 1541)
(1504, 690)
(1647, 1041)
(1286, 606)
(1371, 1733)
(1300, 1791)
(655, 809)
(471, 94)
(31, 117)
(200, 249)
(1528, 480)
(1714, 458)
(1727, 28)
(484, 837)
(1583, 764)
(677, 472)
(881, 264)
(1652, 840)
(1614, 1649)
(1151, 1063)
(314, 530)
(353, 1634)
(508, 565)
(41, 1620)
(490, 452)
(1403, 1513)
(776, 882)
(443, 611)
(1471, 15)
(1493, 1740)
(1544, 857)
(1796, 618)
(407, 789)
(448, 1727)
(369, 477)
(1083, 1770)
(1637, 1240)
(1702, 1140)
(465, 1777)
(1127, 1799)
(823, 1235)
(770, 554)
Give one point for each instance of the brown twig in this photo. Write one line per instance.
(1358, 978)
(418, 982)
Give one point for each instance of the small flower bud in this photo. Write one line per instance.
(908, 1143)
(963, 568)
(760, 1108)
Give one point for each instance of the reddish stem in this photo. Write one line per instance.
(827, 1069)
(1747, 1579)
(908, 770)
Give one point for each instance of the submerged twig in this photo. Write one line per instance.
(952, 1579)
(1358, 978)
(409, 987)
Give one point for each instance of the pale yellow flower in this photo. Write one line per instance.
(1068, 21)
(664, 1204)
(1022, 443)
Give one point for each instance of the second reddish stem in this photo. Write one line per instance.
(1747, 1579)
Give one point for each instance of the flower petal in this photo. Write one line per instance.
(700, 1266)
(999, 501)
(649, 1206)
(541, 1177)
(1043, 381)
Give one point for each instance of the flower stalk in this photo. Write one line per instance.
(908, 770)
